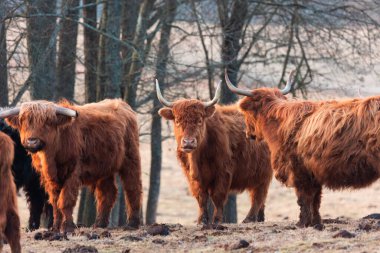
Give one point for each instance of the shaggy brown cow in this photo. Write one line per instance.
(75, 145)
(215, 155)
(331, 143)
(9, 220)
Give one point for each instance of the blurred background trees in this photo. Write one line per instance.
(89, 50)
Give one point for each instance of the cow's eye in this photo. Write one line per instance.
(176, 122)
(199, 121)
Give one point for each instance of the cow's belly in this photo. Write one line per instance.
(340, 172)
(90, 173)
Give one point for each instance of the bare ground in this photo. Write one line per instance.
(263, 237)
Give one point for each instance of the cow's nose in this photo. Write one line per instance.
(189, 141)
(32, 141)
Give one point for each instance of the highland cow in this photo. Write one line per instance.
(73, 146)
(313, 144)
(27, 178)
(9, 219)
(215, 155)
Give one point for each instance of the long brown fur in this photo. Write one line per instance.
(91, 149)
(330, 143)
(224, 160)
(9, 219)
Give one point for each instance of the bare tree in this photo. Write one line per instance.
(91, 43)
(156, 139)
(112, 50)
(138, 56)
(3, 56)
(67, 51)
(40, 25)
(128, 28)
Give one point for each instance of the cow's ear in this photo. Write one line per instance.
(13, 121)
(166, 113)
(246, 104)
(210, 111)
(63, 120)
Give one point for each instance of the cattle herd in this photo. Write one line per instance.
(52, 149)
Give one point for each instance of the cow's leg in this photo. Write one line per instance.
(1, 241)
(201, 195)
(305, 201)
(12, 231)
(130, 175)
(53, 192)
(316, 205)
(67, 200)
(258, 196)
(36, 199)
(219, 195)
(105, 193)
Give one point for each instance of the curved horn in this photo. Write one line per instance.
(234, 89)
(161, 98)
(216, 98)
(289, 83)
(66, 111)
(9, 112)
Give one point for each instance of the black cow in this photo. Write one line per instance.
(28, 179)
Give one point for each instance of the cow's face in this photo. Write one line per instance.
(254, 109)
(39, 126)
(189, 118)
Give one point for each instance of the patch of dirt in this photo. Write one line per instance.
(353, 236)
(81, 249)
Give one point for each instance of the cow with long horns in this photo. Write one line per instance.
(313, 144)
(82, 145)
(9, 219)
(215, 155)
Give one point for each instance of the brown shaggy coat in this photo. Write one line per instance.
(217, 158)
(9, 219)
(92, 149)
(331, 143)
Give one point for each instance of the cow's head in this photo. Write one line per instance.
(255, 104)
(189, 116)
(39, 123)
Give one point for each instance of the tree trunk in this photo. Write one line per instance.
(128, 28)
(3, 57)
(39, 30)
(232, 23)
(232, 27)
(101, 76)
(91, 44)
(137, 64)
(156, 139)
(67, 52)
(112, 50)
(87, 208)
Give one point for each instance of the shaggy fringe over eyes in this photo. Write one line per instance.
(38, 113)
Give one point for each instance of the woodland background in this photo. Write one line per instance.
(88, 50)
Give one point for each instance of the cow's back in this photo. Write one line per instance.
(103, 133)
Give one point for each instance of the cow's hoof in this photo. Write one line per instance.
(203, 219)
(100, 224)
(249, 220)
(301, 224)
(134, 223)
(68, 227)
